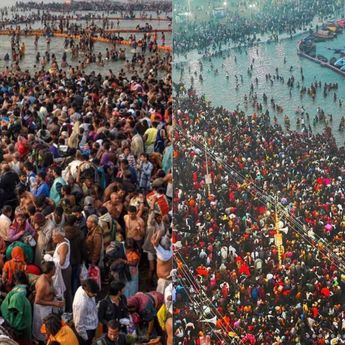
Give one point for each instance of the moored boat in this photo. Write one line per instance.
(340, 62)
(322, 58)
(324, 34)
(331, 27)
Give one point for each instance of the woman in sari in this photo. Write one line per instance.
(20, 229)
(17, 263)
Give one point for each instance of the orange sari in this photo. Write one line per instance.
(17, 263)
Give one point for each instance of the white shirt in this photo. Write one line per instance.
(56, 255)
(5, 223)
(163, 254)
(84, 313)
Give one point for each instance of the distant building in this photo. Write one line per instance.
(68, 2)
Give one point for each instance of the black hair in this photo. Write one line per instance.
(132, 209)
(113, 324)
(90, 285)
(103, 210)
(39, 201)
(48, 267)
(7, 209)
(67, 188)
(42, 175)
(116, 287)
(59, 211)
(70, 219)
(31, 209)
(29, 166)
(57, 170)
(20, 277)
(52, 323)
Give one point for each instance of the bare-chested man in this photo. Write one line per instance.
(44, 299)
(164, 259)
(135, 226)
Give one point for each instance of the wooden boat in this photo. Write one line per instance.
(340, 62)
(322, 58)
(324, 34)
(331, 27)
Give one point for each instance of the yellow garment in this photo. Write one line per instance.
(151, 134)
(65, 336)
(162, 316)
(305, 308)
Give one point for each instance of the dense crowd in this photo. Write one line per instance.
(236, 27)
(124, 8)
(235, 283)
(85, 198)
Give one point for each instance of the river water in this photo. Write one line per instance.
(267, 57)
(56, 46)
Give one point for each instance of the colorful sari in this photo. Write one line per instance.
(17, 263)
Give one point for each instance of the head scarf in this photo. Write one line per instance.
(17, 263)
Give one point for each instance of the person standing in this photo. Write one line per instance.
(16, 264)
(16, 310)
(155, 225)
(150, 136)
(8, 182)
(40, 187)
(94, 240)
(85, 316)
(145, 169)
(45, 299)
(61, 259)
(30, 175)
(114, 305)
(164, 254)
(137, 144)
(55, 190)
(44, 228)
(135, 227)
(5, 221)
(20, 228)
(76, 240)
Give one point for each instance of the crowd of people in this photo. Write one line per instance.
(79, 46)
(86, 204)
(237, 28)
(262, 102)
(259, 242)
(125, 9)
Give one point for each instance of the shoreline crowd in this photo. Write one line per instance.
(126, 10)
(262, 102)
(287, 17)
